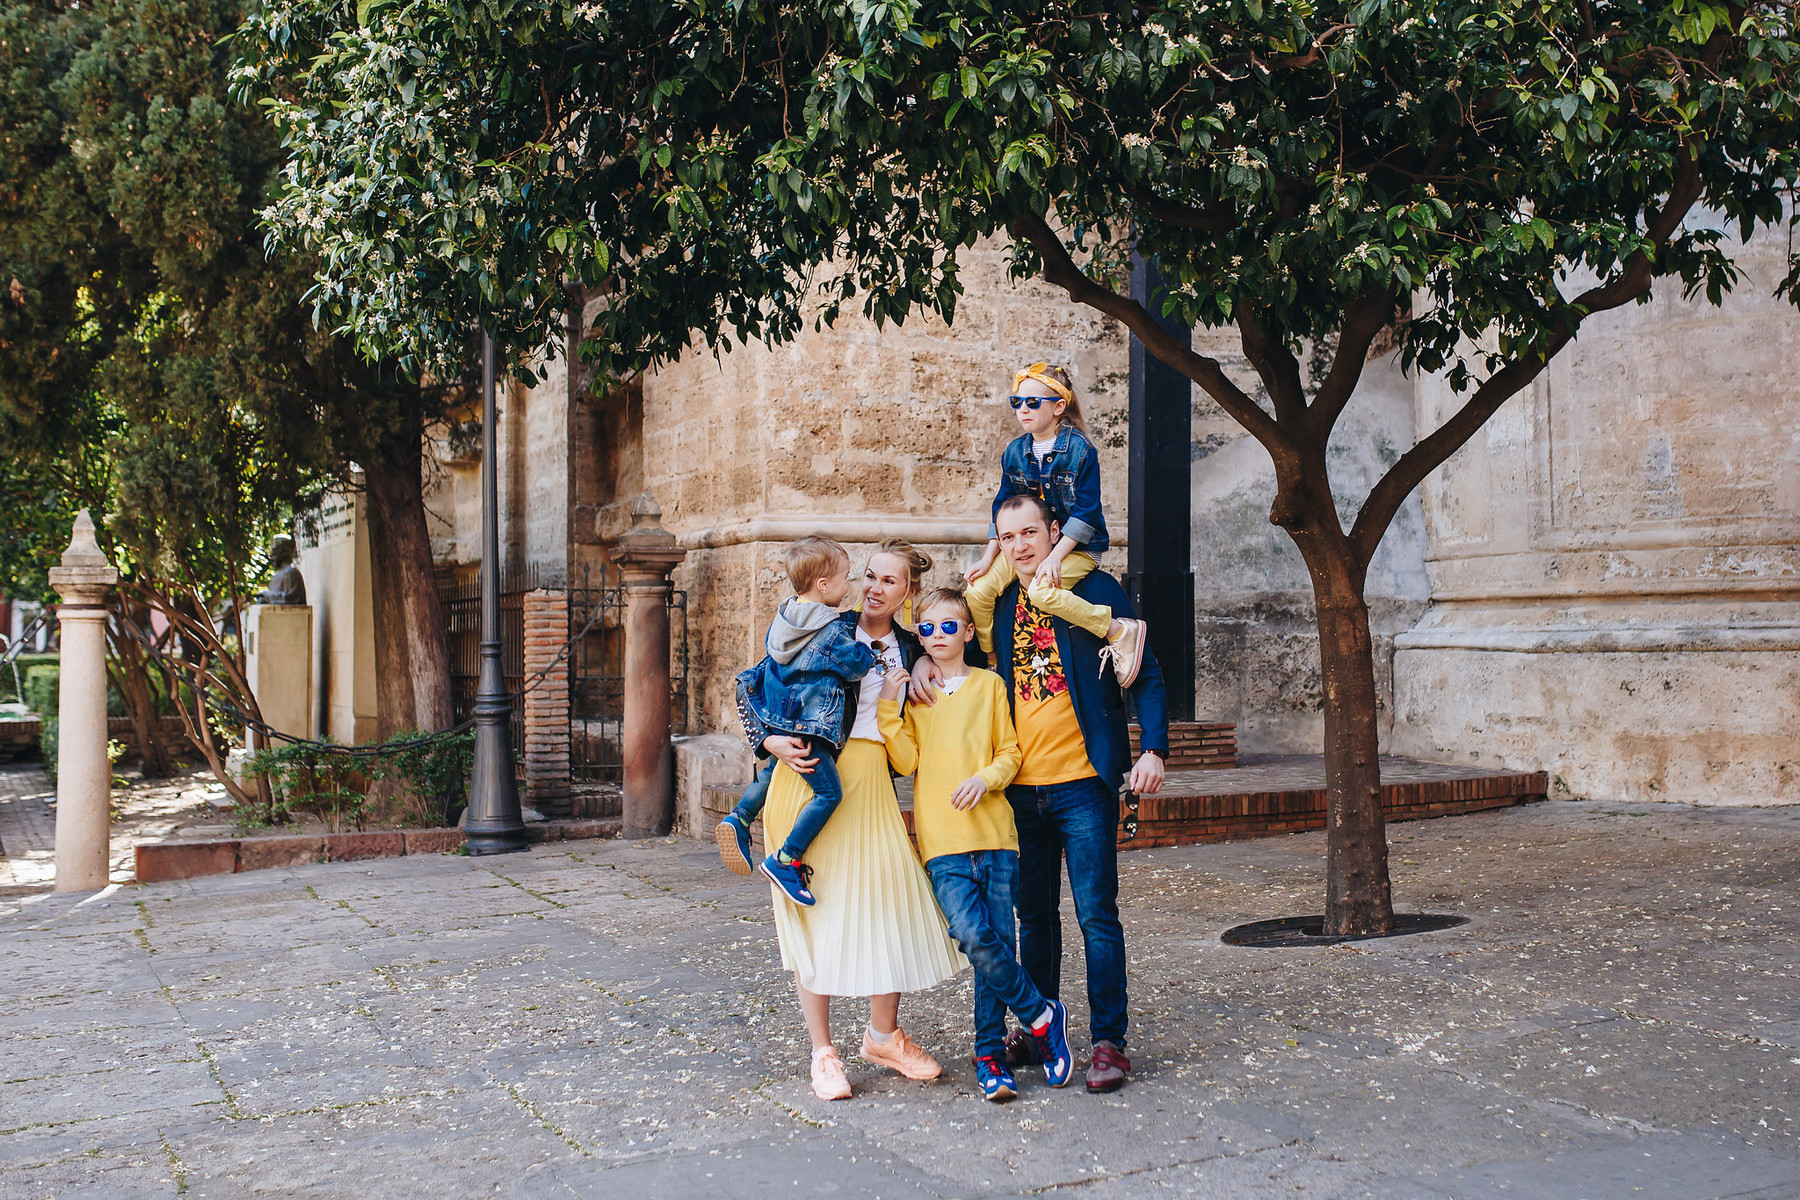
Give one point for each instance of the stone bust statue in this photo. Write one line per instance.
(287, 587)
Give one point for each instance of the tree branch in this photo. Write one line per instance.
(1429, 453)
(1277, 367)
(1060, 269)
(1364, 319)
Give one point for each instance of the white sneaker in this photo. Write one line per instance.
(828, 1078)
(1126, 651)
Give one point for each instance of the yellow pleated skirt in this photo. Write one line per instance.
(876, 927)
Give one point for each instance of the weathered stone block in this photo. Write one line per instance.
(432, 841)
(350, 847)
(256, 854)
(185, 860)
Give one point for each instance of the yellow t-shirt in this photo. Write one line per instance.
(1043, 712)
(966, 734)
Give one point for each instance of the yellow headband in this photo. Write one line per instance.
(1041, 372)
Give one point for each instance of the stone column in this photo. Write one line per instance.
(645, 555)
(547, 704)
(83, 772)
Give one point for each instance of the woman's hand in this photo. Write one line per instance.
(968, 793)
(925, 680)
(792, 751)
(984, 562)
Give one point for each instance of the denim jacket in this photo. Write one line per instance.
(814, 695)
(1069, 482)
(1099, 704)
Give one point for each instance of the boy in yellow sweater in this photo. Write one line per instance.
(965, 752)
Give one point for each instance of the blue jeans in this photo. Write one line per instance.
(1080, 820)
(828, 793)
(975, 890)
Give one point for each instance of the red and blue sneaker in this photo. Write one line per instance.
(1053, 1041)
(997, 1083)
(792, 878)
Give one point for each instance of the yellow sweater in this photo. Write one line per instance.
(965, 734)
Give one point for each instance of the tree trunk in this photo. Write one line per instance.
(130, 670)
(1358, 897)
(401, 548)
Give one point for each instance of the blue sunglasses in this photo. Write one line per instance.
(927, 628)
(1031, 402)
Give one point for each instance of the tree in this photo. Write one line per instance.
(146, 326)
(1481, 177)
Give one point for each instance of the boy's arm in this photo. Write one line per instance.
(1005, 739)
(900, 734)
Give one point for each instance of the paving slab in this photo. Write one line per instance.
(1619, 1018)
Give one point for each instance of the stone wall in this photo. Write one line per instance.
(1256, 646)
(1615, 562)
(859, 434)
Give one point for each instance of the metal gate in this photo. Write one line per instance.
(597, 674)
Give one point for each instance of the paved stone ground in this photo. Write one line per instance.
(608, 1019)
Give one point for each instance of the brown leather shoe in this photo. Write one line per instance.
(1023, 1049)
(1107, 1068)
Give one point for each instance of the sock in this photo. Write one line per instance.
(784, 858)
(879, 1038)
(1042, 1023)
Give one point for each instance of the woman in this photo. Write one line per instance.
(876, 930)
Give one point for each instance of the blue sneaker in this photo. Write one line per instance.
(733, 837)
(791, 878)
(1059, 1064)
(997, 1083)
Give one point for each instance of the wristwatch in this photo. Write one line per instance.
(1162, 754)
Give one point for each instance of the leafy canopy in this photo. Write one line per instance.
(463, 164)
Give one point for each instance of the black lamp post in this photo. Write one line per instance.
(493, 824)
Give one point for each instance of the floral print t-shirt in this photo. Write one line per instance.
(1044, 714)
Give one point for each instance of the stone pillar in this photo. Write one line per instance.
(83, 772)
(547, 703)
(645, 555)
(279, 661)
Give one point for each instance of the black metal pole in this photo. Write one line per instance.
(1159, 567)
(493, 824)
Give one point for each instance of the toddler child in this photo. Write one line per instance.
(1054, 461)
(798, 691)
(965, 753)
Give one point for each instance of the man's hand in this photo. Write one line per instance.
(968, 793)
(793, 751)
(1147, 776)
(925, 680)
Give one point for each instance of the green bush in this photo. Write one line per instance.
(41, 683)
(47, 744)
(431, 779)
(11, 694)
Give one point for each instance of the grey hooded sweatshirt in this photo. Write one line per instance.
(795, 623)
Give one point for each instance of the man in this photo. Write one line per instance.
(1071, 721)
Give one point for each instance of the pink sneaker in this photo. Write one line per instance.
(902, 1054)
(828, 1078)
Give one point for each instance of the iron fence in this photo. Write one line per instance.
(597, 674)
(596, 661)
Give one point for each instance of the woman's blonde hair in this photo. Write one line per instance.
(1057, 380)
(917, 563)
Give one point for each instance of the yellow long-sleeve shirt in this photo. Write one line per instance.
(968, 733)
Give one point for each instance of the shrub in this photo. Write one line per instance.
(320, 779)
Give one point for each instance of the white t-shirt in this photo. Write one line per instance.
(1042, 450)
(887, 658)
